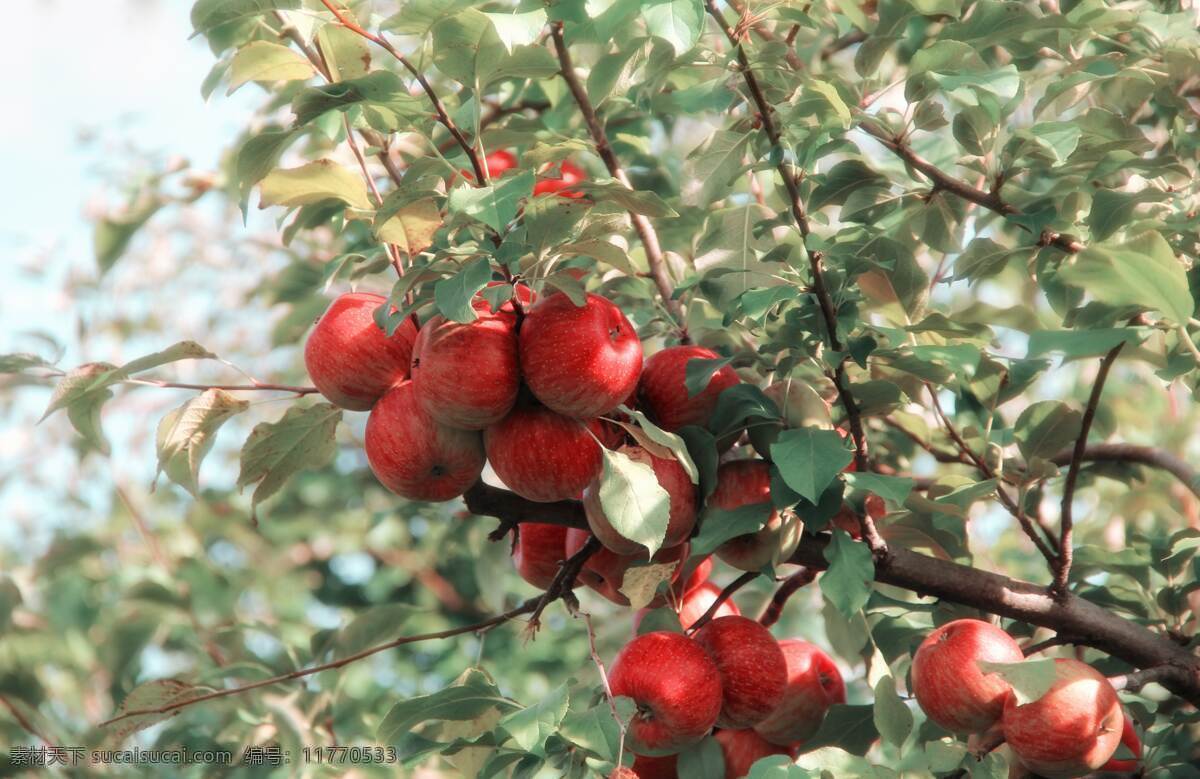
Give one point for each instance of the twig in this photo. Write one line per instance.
(24, 722)
(1143, 455)
(391, 249)
(612, 702)
(564, 582)
(1132, 682)
(1066, 523)
(641, 224)
(1041, 646)
(725, 594)
(846, 41)
(525, 608)
(774, 608)
(443, 116)
(255, 387)
(828, 312)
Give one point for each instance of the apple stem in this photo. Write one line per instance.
(726, 593)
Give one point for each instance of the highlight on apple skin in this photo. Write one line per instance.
(949, 684)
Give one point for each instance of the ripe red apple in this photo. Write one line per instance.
(663, 395)
(349, 358)
(696, 578)
(538, 551)
(415, 456)
(646, 767)
(676, 687)
(752, 667)
(1129, 738)
(604, 571)
(542, 455)
(560, 184)
(680, 490)
(1071, 730)
(813, 685)
(743, 748)
(743, 483)
(948, 682)
(467, 375)
(581, 361)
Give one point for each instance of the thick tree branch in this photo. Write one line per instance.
(1088, 623)
(1066, 523)
(641, 224)
(1162, 674)
(820, 290)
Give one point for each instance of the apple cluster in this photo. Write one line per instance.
(1071, 730)
(764, 697)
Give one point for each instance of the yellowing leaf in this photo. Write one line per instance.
(312, 183)
(265, 61)
(185, 434)
(411, 228)
(303, 438)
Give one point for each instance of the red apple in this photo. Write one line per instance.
(604, 571)
(646, 767)
(542, 455)
(680, 491)
(698, 576)
(538, 551)
(467, 375)
(1071, 730)
(415, 456)
(559, 185)
(676, 687)
(813, 685)
(663, 394)
(748, 482)
(752, 667)
(581, 361)
(742, 749)
(496, 163)
(1129, 738)
(349, 358)
(948, 682)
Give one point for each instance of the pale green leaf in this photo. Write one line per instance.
(275, 451)
(633, 501)
(320, 180)
(185, 435)
(266, 61)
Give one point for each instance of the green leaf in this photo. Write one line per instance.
(659, 442)
(258, 156)
(381, 94)
(699, 372)
(660, 619)
(518, 29)
(20, 362)
(186, 434)
(702, 761)
(552, 221)
(809, 459)
(265, 61)
(1141, 272)
(850, 728)
(594, 728)
(320, 180)
(475, 695)
(847, 583)
(719, 525)
(453, 295)
(302, 439)
(638, 201)
(841, 181)
(530, 727)
(1112, 210)
(678, 22)
(113, 234)
(982, 259)
(496, 204)
(1082, 343)
(893, 719)
(346, 53)
(633, 500)
(1030, 679)
(207, 14)
(1045, 427)
(715, 162)
(151, 695)
(467, 48)
(409, 227)
(893, 488)
(10, 598)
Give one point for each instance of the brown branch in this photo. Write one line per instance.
(1132, 682)
(442, 115)
(24, 722)
(1066, 522)
(840, 44)
(825, 301)
(564, 582)
(767, 34)
(774, 607)
(488, 501)
(1090, 624)
(641, 224)
(612, 701)
(725, 594)
(1142, 455)
(989, 200)
(525, 608)
(1049, 643)
(255, 387)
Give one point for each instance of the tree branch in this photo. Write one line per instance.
(564, 582)
(820, 290)
(774, 607)
(255, 387)
(641, 224)
(1066, 522)
(725, 594)
(1142, 455)
(1161, 674)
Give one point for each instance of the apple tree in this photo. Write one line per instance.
(698, 388)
